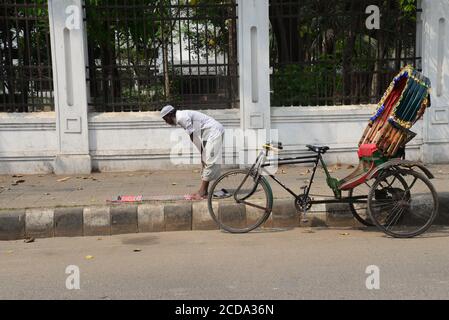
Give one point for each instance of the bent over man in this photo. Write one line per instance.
(206, 134)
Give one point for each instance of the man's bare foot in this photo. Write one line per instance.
(195, 196)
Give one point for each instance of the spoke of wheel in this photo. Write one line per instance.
(385, 204)
(395, 206)
(396, 217)
(253, 205)
(413, 183)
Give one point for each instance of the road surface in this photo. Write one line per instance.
(279, 264)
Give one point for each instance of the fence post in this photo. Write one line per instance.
(254, 65)
(435, 64)
(69, 58)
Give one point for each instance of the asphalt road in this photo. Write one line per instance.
(292, 264)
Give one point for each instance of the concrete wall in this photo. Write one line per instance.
(339, 127)
(71, 140)
(141, 141)
(28, 142)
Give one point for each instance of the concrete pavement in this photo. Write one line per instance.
(54, 206)
(294, 264)
(95, 189)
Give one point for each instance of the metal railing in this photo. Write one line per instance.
(26, 80)
(322, 52)
(147, 53)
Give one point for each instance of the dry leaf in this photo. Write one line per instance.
(344, 234)
(308, 231)
(28, 240)
(89, 257)
(63, 179)
(137, 250)
(173, 183)
(10, 251)
(17, 176)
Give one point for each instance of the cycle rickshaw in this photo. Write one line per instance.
(385, 190)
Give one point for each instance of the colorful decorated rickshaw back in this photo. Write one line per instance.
(388, 130)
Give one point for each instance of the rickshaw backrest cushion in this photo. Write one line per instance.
(367, 150)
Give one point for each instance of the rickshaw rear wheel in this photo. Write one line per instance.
(402, 210)
(360, 209)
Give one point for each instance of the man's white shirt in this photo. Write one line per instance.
(203, 127)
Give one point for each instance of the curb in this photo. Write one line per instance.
(116, 219)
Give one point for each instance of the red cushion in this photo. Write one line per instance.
(367, 150)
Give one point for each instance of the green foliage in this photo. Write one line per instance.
(210, 30)
(408, 6)
(302, 85)
(322, 53)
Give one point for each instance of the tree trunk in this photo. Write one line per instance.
(166, 71)
(26, 65)
(285, 29)
(348, 53)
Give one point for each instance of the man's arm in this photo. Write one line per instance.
(200, 149)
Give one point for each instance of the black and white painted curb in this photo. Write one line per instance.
(158, 217)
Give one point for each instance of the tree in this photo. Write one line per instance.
(213, 32)
(24, 42)
(320, 41)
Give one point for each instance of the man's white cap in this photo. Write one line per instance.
(166, 110)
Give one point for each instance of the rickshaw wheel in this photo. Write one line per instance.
(403, 207)
(360, 211)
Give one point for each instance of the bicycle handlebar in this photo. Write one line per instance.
(273, 146)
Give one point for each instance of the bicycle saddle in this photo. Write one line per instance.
(318, 149)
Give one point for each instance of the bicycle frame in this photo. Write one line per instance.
(316, 159)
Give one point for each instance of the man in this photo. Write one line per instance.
(206, 134)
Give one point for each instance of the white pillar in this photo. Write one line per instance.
(254, 65)
(69, 55)
(435, 64)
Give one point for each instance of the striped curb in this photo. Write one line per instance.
(158, 217)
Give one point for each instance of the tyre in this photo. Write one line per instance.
(359, 206)
(404, 207)
(238, 203)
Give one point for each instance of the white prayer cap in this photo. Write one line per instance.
(166, 110)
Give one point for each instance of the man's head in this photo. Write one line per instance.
(168, 113)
